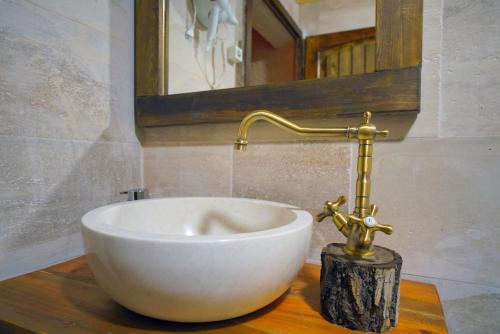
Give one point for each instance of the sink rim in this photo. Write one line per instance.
(92, 221)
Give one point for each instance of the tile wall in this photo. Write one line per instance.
(67, 134)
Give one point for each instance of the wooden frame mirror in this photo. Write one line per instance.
(393, 88)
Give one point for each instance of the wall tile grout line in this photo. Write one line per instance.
(76, 21)
(453, 280)
(55, 139)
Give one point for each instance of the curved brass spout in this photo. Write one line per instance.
(264, 115)
(359, 227)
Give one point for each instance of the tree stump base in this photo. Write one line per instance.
(360, 293)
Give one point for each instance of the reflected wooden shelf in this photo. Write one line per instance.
(66, 299)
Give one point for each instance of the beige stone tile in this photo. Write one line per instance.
(17, 178)
(114, 18)
(47, 185)
(188, 170)
(66, 106)
(263, 132)
(441, 197)
(475, 314)
(301, 174)
(189, 135)
(470, 67)
(104, 170)
(31, 257)
(62, 79)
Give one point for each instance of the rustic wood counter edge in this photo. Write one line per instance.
(66, 299)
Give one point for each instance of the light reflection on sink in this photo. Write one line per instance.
(196, 259)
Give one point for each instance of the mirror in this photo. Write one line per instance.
(273, 41)
(350, 65)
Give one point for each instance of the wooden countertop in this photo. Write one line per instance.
(66, 299)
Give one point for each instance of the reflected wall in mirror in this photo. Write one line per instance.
(273, 44)
(191, 67)
(280, 40)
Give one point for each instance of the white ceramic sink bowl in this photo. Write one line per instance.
(196, 259)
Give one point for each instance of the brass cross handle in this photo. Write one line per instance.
(369, 225)
(345, 223)
(330, 208)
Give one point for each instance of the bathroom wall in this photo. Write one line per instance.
(67, 135)
(293, 9)
(438, 187)
(191, 68)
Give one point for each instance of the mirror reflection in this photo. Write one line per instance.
(234, 43)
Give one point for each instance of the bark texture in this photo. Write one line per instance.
(360, 294)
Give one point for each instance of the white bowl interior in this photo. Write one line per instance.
(198, 216)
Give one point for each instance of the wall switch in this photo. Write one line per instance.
(235, 54)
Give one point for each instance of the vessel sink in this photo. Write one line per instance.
(196, 259)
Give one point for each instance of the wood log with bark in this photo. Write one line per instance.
(360, 293)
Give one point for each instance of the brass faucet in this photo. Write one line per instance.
(360, 226)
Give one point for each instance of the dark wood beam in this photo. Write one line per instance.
(392, 91)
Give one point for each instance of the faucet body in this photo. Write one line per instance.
(358, 227)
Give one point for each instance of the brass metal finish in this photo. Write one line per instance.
(264, 115)
(359, 227)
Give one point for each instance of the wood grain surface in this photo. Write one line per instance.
(361, 293)
(399, 34)
(66, 299)
(393, 91)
